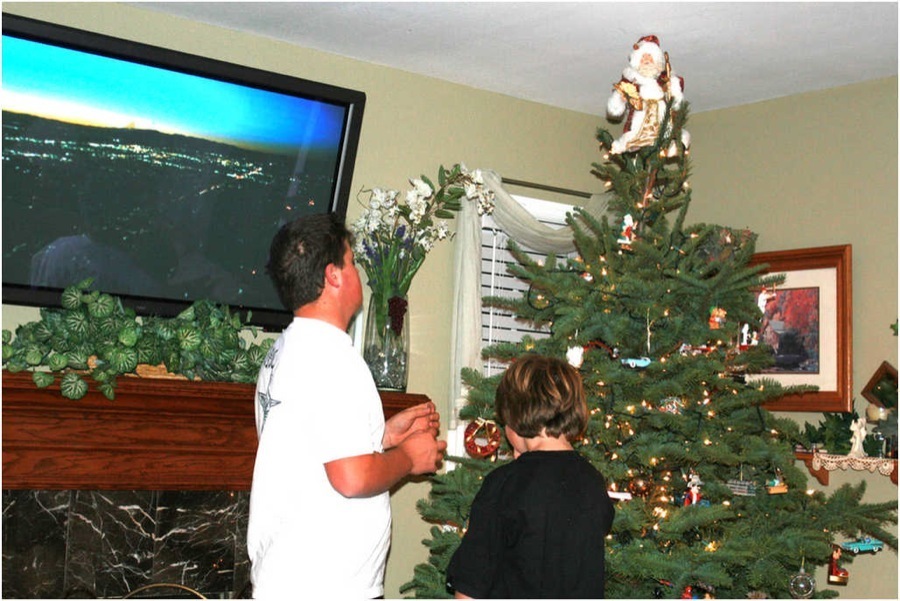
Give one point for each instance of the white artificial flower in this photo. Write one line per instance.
(421, 188)
(477, 177)
(390, 199)
(376, 199)
(442, 230)
(374, 221)
(417, 206)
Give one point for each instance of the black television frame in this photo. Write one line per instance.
(145, 54)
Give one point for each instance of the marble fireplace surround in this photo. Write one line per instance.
(103, 497)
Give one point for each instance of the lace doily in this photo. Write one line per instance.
(832, 462)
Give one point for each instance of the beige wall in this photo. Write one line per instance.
(838, 147)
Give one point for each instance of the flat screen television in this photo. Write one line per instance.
(160, 174)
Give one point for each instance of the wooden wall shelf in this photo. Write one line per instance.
(821, 474)
(158, 434)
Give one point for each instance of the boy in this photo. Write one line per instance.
(537, 526)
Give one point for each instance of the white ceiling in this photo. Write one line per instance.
(568, 54)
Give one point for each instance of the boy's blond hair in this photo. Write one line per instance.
(538, 392)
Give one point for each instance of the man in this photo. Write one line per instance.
(320, 518)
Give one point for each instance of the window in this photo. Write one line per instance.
(498, 325)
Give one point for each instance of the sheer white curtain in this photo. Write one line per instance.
(466, 321)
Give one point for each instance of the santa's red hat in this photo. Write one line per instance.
(649, 44)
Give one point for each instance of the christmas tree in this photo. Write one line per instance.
(659, 317)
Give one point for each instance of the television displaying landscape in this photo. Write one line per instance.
(158, 183)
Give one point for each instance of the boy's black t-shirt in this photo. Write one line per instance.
(536, 530)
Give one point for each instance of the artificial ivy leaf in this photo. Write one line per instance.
(105, 326)
(43, 332)
(78, 359)
(73, 386)
(15, 365)
(188, 361)
(34, 355)
(129, 334)
(123, 359)
(255, 355)
(103, 307)
(7, 351)
(57, 361)
(7, 336)
(78, 323)
(241, 362)
(108, 390)
(71, 298)
(188, 338)
(146, 352)
(42, 379)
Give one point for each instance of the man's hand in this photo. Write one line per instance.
(410, 421)
(424, 451)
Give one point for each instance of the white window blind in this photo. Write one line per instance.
(498, 325)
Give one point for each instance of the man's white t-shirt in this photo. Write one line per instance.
(315, 402)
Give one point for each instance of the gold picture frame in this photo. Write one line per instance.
(828, 271)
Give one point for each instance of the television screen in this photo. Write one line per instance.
(161, 175)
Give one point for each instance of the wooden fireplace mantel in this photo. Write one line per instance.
(158, 434)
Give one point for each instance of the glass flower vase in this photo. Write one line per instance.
(386, 342)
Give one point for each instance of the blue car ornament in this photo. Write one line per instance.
(862, 545)
(636, 363)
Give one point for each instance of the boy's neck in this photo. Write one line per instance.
(547, 443)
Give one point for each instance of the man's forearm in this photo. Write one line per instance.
(368, 475)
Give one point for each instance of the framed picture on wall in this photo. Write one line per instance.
(807, 324)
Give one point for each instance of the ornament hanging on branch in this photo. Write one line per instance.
(777, 485)
(802, 585)
(717, 317)
(575, 354)
(482, 438)
(741, 487)
(672, 404)
(700, 590)
(641, 96)
(692, 495)
(628, 233)
(837, 574)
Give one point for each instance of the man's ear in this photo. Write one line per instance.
(333, 275)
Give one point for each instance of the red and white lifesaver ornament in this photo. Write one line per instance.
(482, 438)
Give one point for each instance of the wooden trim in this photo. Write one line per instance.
(158, 434)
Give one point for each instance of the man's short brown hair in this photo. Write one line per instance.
(538, 392)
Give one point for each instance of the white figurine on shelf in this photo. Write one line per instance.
(763, 299)
(858, 429)
(646, 84)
